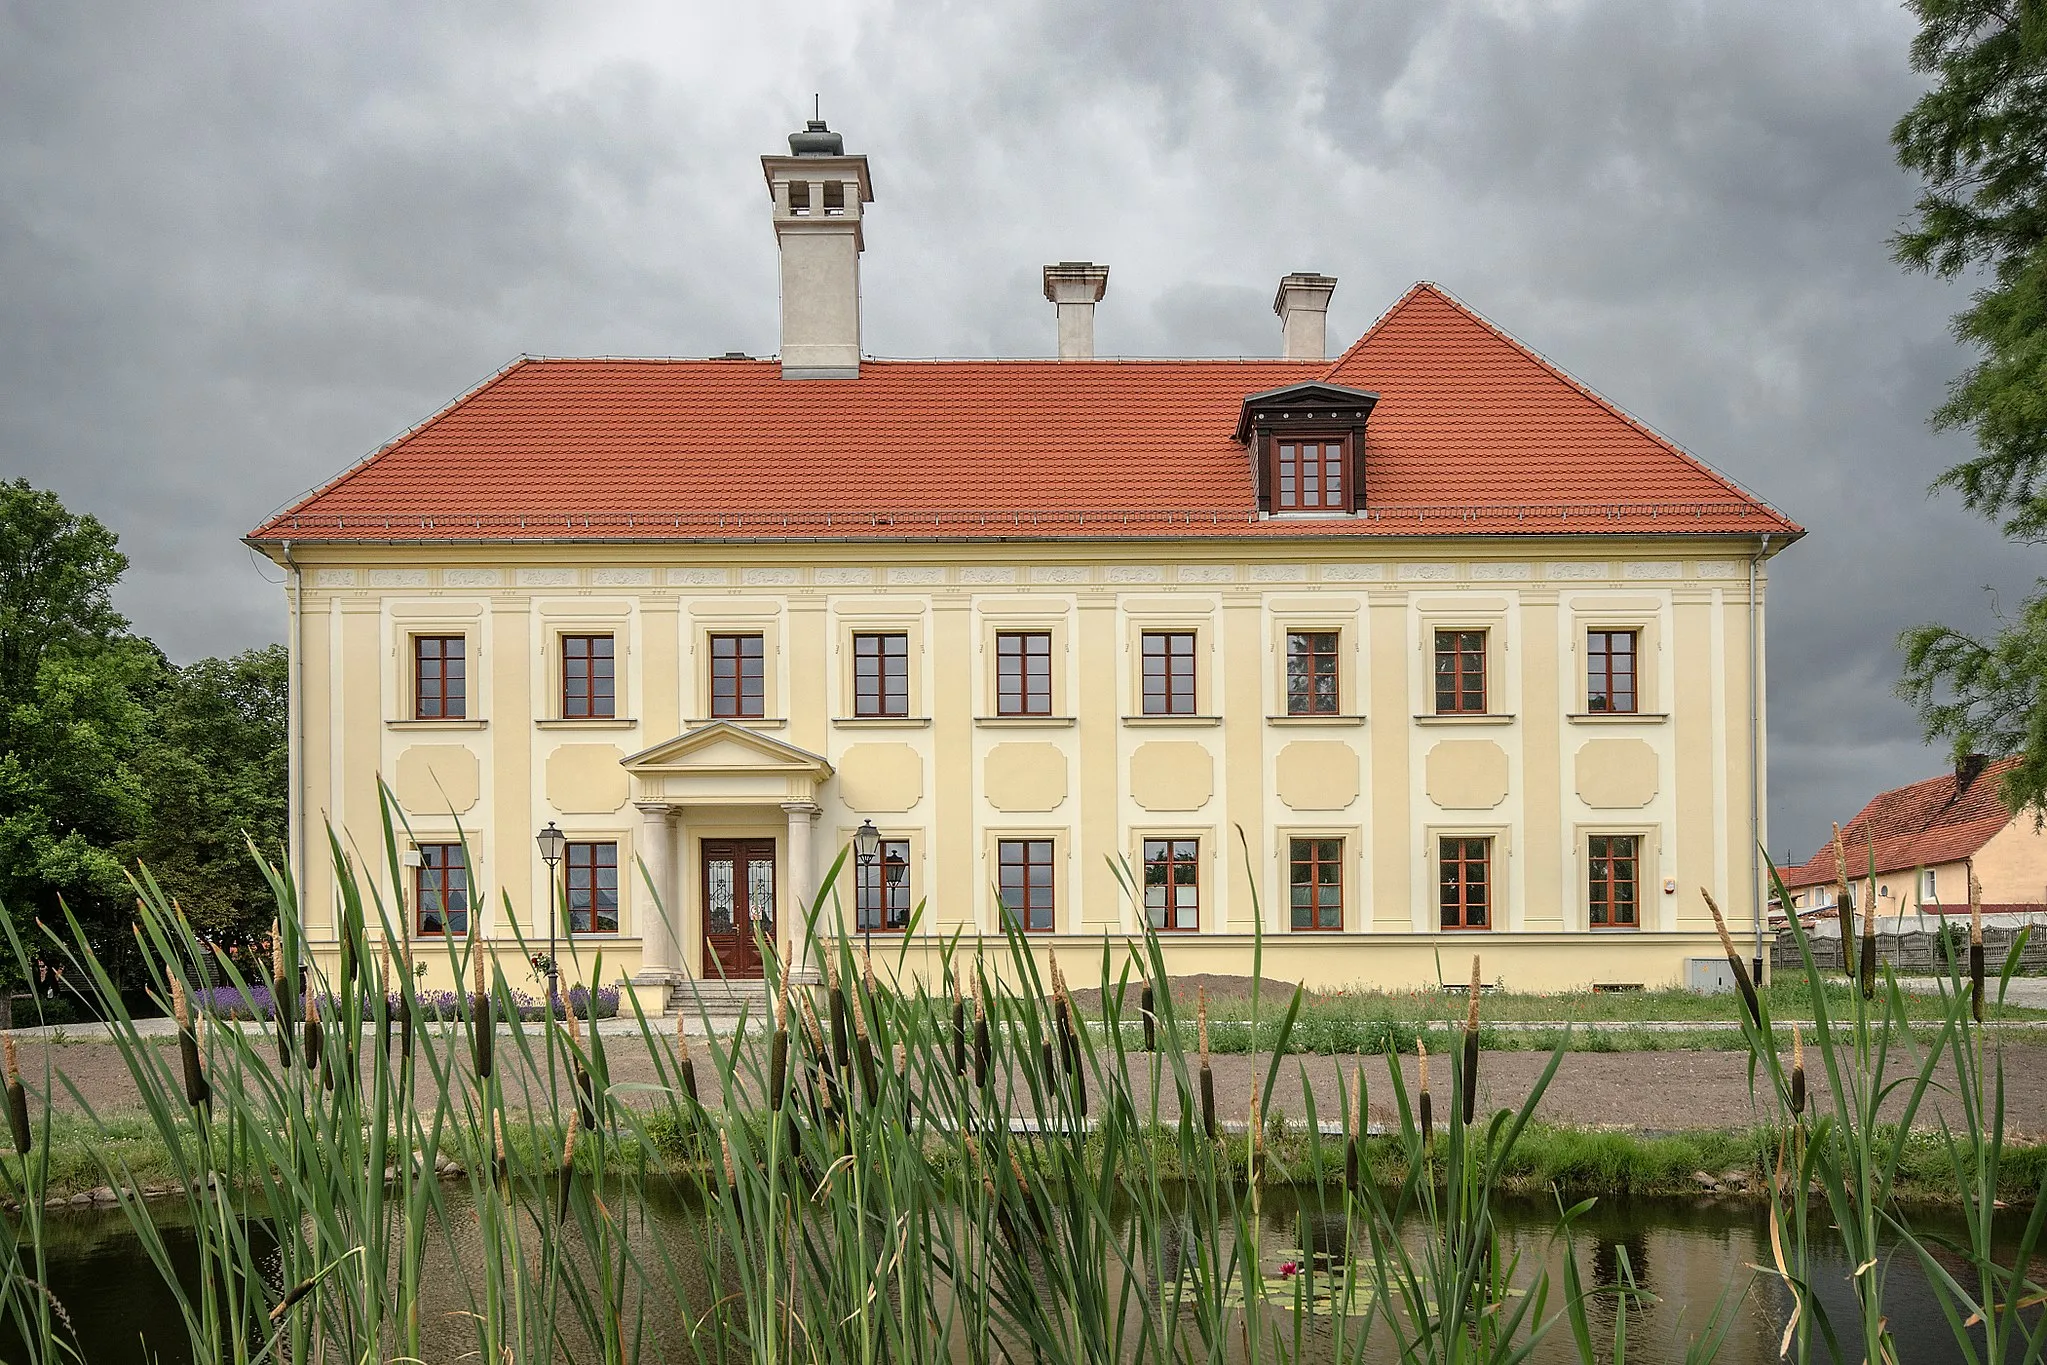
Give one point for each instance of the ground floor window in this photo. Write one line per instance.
(591, 874)
(1465, 882)
(1615, 863)
(441, 890)
(1315, 883)
(1172, 883)
(1024, 882)
(881, 900)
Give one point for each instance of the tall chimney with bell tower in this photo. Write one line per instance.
(818, 191)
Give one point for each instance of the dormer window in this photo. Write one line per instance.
(1311, 473)
(1307, 448)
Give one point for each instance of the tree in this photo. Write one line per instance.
(1978, 139)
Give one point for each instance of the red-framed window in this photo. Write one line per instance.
(1172, 884)
(1023, 673)
(1311, 473)
(1315, 883)
(1465, 883)
(440, 677)
(440, 891)
(881, 890)
(738, 677)
(1610, 670)
(589, 680)
(590, 887)
(1311, 688)
(1615, 880)
(881, 675)
(1168, 676)
(1024, 883)
(1460, 672)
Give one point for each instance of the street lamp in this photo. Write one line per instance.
(551, 841)
(867, 848)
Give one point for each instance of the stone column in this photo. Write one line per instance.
(798, 880)
(660, 958)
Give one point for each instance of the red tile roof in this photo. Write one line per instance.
(1923, 825)
(1473, 434)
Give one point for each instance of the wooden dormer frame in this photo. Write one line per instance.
(1315, 409)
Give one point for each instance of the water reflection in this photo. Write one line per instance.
(1687, 1259)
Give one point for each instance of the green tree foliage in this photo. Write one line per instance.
(1978, 140)
(109, 753)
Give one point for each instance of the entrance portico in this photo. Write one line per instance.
(725, 839)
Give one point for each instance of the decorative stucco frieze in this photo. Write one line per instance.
(1653, 568)
(473, 578)
(397, 578)
(1501, 573)
(334, 578)
(988, 573)
(622, 578)
(1428, 573)
(1058, 573)
(546, 578)
(1722, 568)
(771, 578)
(916, 575)
(699, 578)
(1575, 568)
(1353, 573)
(839, 577)
(1279, 573)
(1207, 573)
(1133, 573)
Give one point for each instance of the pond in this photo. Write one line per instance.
(1687, 1255)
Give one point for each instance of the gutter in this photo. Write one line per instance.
(1755, 725)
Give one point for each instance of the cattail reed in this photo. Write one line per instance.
(731, 1172)
(841, 1046)
(198, 1093)
(1207, 1075)
(1845, 899)
(903, 1075)
(1257, 1162)
(1145, 1003)
(1975, 948)
(1471, 1048)
(483, 1029)
(684, 1064)
(1069, 1041)
(282, 996)
(778, 1047)
(959, 1030)
(1428, 1110)
(1869, 930)
(501, 1157)
(17, 1100)
(586, 1093)
(1354, 1150)
(1797, 1072)
(315, 1042)
(984, 1053)
(568, 1172)
(1734, 962)
(863, 1052)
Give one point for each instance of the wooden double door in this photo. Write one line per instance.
(739, 906)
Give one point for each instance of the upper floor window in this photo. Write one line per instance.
(590, 877)
(738, 687)
(1023, 673)
(1315, 882)
(1172, 883)
(881, 675)
(440, 890)
(1168, 663)
(588, 680)
(440, 679)
(1465, 883)
(881, 890)
(1024, 882)
(1311, 673)
(1311, 474)
(1460, 672)
(1610, 671)
(1615, 863)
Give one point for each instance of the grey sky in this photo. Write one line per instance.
(242, 246)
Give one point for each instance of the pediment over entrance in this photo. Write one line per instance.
(723, 762)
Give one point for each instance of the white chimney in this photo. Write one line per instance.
(1076, 287)
(1303, 308)
(818, 191)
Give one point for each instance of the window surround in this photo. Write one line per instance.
(1491, 615)
(914, 837)
(420, 876)
(415, 667)
(1170, 847)
(1199, 621)
(916, 709)
(623, 865)
(1062, 898)
(1024, 691)
(1010, 616)
(1650, 902)
(1350, 906)
(1346, 500)
(1504, 912)
(1348, 633)
(743, 617)
(406, 621)
(1642, 617)
(1210, 878)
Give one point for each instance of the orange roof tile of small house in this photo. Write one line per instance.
(1473, 434)
(1941, 820)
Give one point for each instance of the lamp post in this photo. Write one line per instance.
(551, 841)
(866, 850)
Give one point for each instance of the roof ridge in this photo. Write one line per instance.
(1563, 376)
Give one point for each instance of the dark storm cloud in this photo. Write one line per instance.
(241, 247)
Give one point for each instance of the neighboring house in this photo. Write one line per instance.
(1926, 840)
(1422, 651)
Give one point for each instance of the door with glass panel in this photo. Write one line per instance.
(739, 906)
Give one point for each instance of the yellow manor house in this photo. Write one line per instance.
(1419, 650)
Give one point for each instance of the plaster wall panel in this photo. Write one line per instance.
(1171, 775)
(1317, 774)
(586, 779)
(1466, 774)
(881, 778)
(1025, 776)
(436, 779)
(1616, 774)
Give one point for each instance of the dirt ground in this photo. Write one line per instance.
(1646, 1091)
